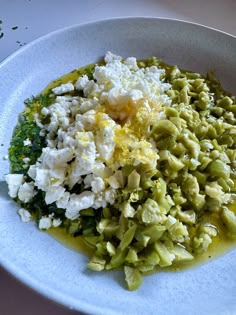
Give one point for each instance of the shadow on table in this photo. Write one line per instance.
(206, 12)
(17, 294)
(3, 190)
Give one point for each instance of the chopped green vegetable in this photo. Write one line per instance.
(229, 219)
(159, 185)
(133, 277)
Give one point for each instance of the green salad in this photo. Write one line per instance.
(137, 158)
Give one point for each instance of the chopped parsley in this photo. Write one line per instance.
(27, 128)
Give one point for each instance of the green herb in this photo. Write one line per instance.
(27, 128)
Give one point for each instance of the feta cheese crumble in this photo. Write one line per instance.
(14, 182)
(45, 223)
(27, 142)
(24, 215)
(89, 138)
(26, 192)
(63, 88)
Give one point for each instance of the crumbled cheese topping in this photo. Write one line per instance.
(14, 182)
(27, 142)
(63, 88)
(26, 192)
(89, 138)
(45, 223)
(24, 215)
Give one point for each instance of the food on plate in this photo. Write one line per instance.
(137, 158)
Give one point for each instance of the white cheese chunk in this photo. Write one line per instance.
(81, 82)
(78, 202)
(110, 57)
(45, 223)
(63, 88)
(32, 171)
(97, 184)
(24, 215)
(54, 158)
(42, 179)
(26, 160)
(85, 157)
(26, 192)
(54, 194)
(14, 182)
(63, 201)
(27, 142)
(56, 222)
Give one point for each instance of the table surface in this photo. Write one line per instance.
(25, 20)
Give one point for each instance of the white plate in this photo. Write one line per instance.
(58, 272)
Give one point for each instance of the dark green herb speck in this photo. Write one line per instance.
(27, 128)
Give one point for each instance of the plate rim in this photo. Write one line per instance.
(50, 293)
(100, 21)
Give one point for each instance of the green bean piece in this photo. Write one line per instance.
(155, 232)
(166, 257)
(188, 216)
(225, 102)
(128, 237)
(133, 277)
(219, 169)
(165, 127)
(229, 219)
(133, 180)
(183, 95)
(181, 254)
(117, 260)
(150, 212)
(96, 264)
(132, 256)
